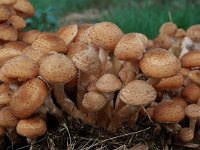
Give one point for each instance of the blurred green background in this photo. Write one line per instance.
(145, 16)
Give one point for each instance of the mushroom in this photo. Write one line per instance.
(162, 41)
(135, 94)
(194, 75)
(75, 48)
(180, 101)
(34, 54)
(17, 21)
(4, 13)
(17, 45)
(30, 36)
(7, 32)
(186, 134)
(168, 28)
(192, 111)
(28, 98)
(194, 33)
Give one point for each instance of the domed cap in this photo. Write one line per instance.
(8, 2)
(186, 134)
(180, 101)
(7, 119)
(142, 37)
(7, 32)
(30, 36)
(105, 35)
(21, 67)
(168, 28)
(180, 33)
(129, 47)
(17, 21)
(75, 48)
(68, 33)
(162, 41)
(17, 45)
(57, 68)
(47, 42)
(81, 31)
(108, 83)
(24, 7)
(194, 32)
(34, 54)
(192, 111)
(138, 92)
(87, 61)
(5, 79)
(31, 127)
(191, 59)
(191, 93)
(4, 12)
(5, 97)
(159, 63)
(28, 98)
(194, 75)
(94, 101)
(168, 112)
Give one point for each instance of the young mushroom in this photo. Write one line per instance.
(194, 76)
(186, 134)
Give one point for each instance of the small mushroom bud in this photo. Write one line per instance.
(47, 42)
(31, 127)
(191, 59)
(21, 67)
(17, 21)
(28, 98)
(57, 68)
(7, 119)
(68, 33)
(30, 36)
(186, 134)
(194, 75)
(194, 34)
(162, 41)
(168, 28)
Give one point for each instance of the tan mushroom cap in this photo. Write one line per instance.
(191, 59)
(28, 98)
(87, 61)
(94, 101)
(30, 36)
(5, 79)
(180, 33)
(194, 32)
(34, 54)
(81, 31)
(168, 112)
(159, 63)
(75, 48)
(142, 37)
(2, 132)
(47, 42)
(18, 45)
(162, 41)
(108, 83)
(24, 7)
(170, 83)
(4, 13)
(31, 127)
(68, 33)
(180, 101)
(186, 134)
(105, 35)
(57, 68)
(8, 2)
(17, 21)
(7, 119)
(21, 67)
(192, 111)
(138, 92)
(5, 98)
(7, 32)
(168, 28)
(129, 47)
(191, 93)
(194, 75)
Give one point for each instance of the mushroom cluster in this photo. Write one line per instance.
(96, 73)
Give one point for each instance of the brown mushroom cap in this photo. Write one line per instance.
(193, 32)
(7, 32)
(168, 28)
(7, 119)
(68, 33)
(168, 112)
(192, 111)
(94, 101)
(142, 37)
(24, 7)
(162, 41)
(5, 79)
(159, 63)
(129, 47)
(17, 21)
(191, 59)
(4, 12)
(87, 61)
(191, 93)
(8, 2)
(30, 36)
(57, 68)
(180, 101)
(21, 67)
(47, 42)
(17, 45)
(194, 75)
(108, 83)
(180, 33)
(75, 48)
(186, 134)
(34, 54)
(28, 98)
(5, 98)
(170, 83)
(105, 35)
(32, 127)
(138, 92)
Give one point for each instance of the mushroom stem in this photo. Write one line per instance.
(103, 55)
(68, 106)
(193, 123)
(121, 116)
